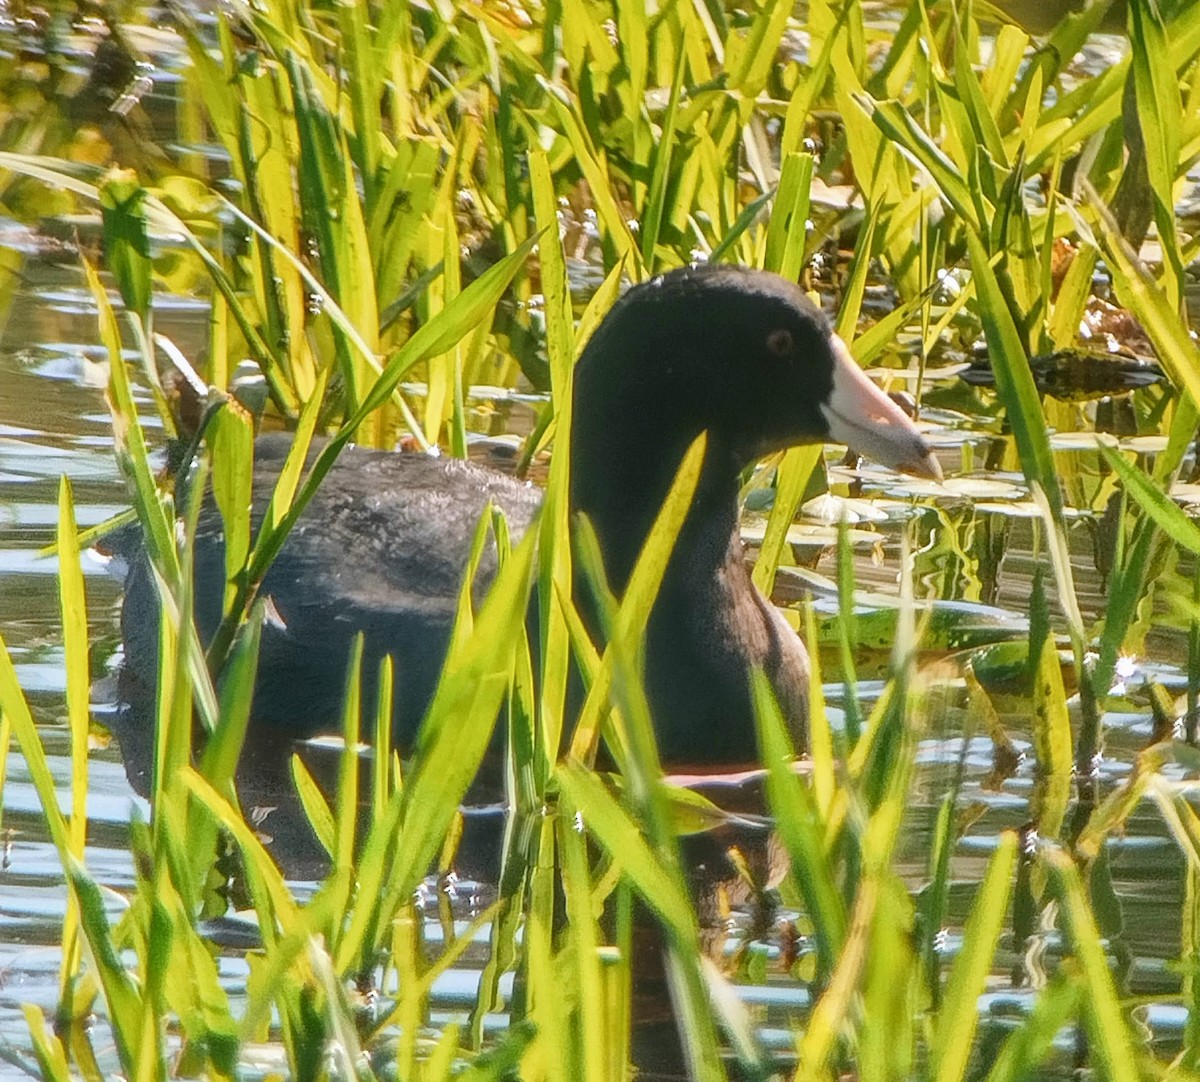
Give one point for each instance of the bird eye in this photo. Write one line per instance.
(779, 342)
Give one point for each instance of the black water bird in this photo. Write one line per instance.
(740, 354)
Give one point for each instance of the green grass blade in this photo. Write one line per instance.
(73, 606)
(47, 1047)
(1159, 109)
(1014, 381)
(1111, 1040)
(950, 1050)
(1165, 512)
(792, 478)
(787, 230)
(798, 821)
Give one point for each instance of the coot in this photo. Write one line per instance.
(739, 353)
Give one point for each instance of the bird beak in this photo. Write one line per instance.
(861, 416)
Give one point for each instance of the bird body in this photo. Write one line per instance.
(740, 355)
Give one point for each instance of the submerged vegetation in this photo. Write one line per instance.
(407, 217)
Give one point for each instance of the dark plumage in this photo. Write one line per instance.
(740, 354)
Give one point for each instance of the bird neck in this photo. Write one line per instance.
(622, 492)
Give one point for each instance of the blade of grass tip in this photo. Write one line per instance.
(223, 748)
(1111, 1043)
(381, 777)
(790, 202)
(231, 441)
(347, 782)
(73, 606)
(316, 807)
(953, 1038)
(792, 480)
(660, 170)
(856, 279)
(602, 300)
(799, 823)
(88, 536)
(464, 615)
(554, 553)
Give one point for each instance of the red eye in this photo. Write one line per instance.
(779, 342)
